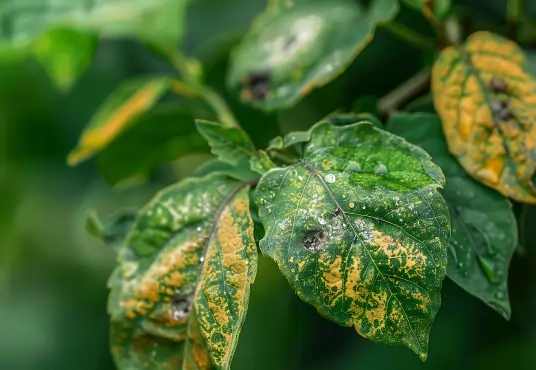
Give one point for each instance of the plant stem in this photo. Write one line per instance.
(523, 228)
(410, 36)
(193, 86)
(404, 92)
(513, 11)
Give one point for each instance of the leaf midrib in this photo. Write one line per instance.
(313, 170)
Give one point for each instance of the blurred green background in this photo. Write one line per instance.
(53, 274)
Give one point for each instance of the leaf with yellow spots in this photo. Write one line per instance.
(296, 46)
(486, 98)
(484, 228)
(180, 293)
(360, 231)
(261, 162)
(117, 113)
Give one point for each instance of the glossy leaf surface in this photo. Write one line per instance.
(296, 46)
(484, 228)
(486, 98)
(117, 113)
(181, 290)
(360, 231)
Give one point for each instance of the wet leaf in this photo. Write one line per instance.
(65, 54)
(438, 7)
(486, 98)
(119, 111)
(360, 231)
(230, 144)
(484, 229)
(296, 46)
(183, 277)
(161, 20)
(160, 135)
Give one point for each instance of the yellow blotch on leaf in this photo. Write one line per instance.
(489, 129)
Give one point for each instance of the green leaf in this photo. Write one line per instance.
(261, 162)
(161, 135)
(230, 144)
(440, 8)
(181, 290)
(296, 46)
(160, 20)
(119, 111)
(360, 231)
(484, 229)
(223, 168)
(112, 231)
(65, 54)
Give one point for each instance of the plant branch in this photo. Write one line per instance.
(400, 95)
(409, 35)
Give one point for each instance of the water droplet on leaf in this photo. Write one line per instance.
(381, 169)
(330, 178)
(351, 205)
(499, 295)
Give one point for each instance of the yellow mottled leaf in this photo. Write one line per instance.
(121, 108)
(183, 281)
(486, 98)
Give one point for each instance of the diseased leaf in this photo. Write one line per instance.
(296, 46)
(65, 54)
(183, 277)
(119, 111)
(486, 98)
(261, 162)
(160, 135)
(439, 7)
(484, 229)
(360, 231)
(230, 144)
(161, 20)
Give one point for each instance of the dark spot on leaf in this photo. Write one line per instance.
(314, 240)
(501, 111)
(258, 85)
(498, 85)
(180, 305)
(291, 42)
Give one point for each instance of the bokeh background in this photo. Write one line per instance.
(53, 274)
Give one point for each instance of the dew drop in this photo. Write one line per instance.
(460, 265)
(381, 169)
(351, 205)
(198, 229)
(321, 221)
(353, 166)
(330, 178)
(499, 295)
(201, 259)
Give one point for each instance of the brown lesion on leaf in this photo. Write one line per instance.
(486, 99)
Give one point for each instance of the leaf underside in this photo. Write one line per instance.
(484, 228)
(360, 231)
(486, 98)
(180, 293)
